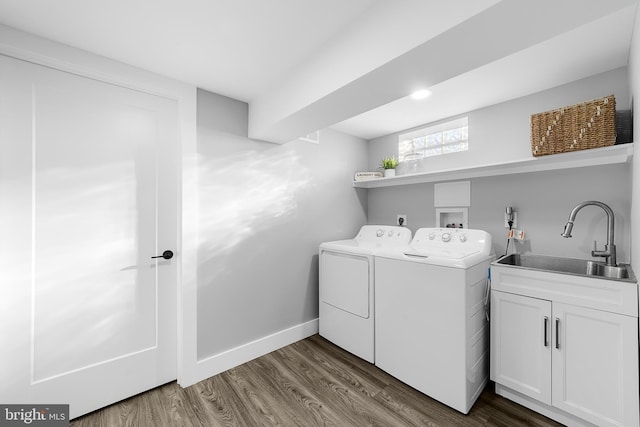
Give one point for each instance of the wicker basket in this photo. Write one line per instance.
(591, 124)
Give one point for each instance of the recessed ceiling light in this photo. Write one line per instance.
(420, 94)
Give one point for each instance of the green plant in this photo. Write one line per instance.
(389, 162)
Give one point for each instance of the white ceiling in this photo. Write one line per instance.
(582, 52)
(304, 65)
(236, 48)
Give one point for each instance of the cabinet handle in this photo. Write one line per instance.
(557, 333)
(546, 328)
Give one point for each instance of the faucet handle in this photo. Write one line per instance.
(606, 253)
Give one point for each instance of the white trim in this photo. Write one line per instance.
(31, 48)
(614, 154)
(541, 408)
(226, 360)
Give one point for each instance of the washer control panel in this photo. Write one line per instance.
(449, 236)
(384, 235)
(458, 239)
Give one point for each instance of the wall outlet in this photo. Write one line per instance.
(403, 222)
(515, 233)
(515, 220)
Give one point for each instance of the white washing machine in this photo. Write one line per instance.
(431, 331)
(346, 312)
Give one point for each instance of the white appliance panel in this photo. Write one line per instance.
(346, 306)
(352, 333)
(347, 282)
(431, 331)
(419, 320)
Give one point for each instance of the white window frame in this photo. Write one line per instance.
(441, 128)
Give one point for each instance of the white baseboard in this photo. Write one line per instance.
(541, 408)
(226, 360)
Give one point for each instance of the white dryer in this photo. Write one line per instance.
(431, 331)
(346, 308)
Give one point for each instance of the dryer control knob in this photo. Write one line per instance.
(463, 238)
(390, 233)
(432, 236)
(380, 233)
(446, 237)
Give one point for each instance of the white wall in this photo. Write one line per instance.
(634, 83)
(263, 211)
(543, 200)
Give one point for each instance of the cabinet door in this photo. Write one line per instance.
(595, 365)
(521, 344)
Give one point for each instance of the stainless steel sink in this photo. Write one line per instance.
(579, 267)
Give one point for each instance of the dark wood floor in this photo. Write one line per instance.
(309, 383)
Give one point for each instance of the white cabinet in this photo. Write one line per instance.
(595, 365)
(520, 356)
(573, 363)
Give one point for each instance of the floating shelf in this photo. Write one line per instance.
(598, 156)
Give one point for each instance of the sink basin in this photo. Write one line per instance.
(579, 267)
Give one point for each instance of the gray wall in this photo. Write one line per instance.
(501, 132)
(263, 211)
(543, 200)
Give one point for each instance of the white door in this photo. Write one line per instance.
(595, 365)
(521, 344)
(87, 196)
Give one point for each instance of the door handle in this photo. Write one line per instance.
(557, 333)
(546, 331)
(165, 255)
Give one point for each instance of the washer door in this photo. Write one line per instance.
(345, 281)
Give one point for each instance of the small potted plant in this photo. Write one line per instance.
(389, 165)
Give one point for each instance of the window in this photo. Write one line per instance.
(444, 138)
(313, 137)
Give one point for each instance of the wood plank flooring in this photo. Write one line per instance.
(309, 383)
